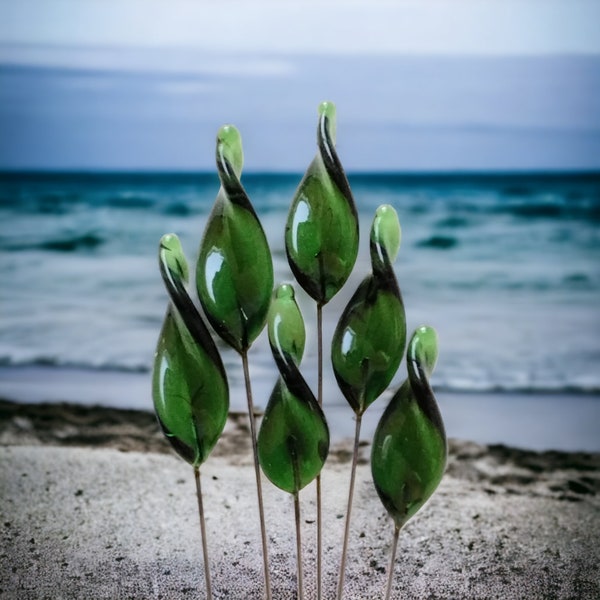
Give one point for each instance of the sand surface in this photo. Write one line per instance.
(94, 505)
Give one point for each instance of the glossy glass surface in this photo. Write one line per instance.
(409, 450)
(189, 385)
(293, 440)
(370, 337)
(234, 272)
(321, 234)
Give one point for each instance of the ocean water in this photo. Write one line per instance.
(505, 267)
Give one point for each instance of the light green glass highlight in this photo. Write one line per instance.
(386, 233)
(229, 148)
(234, 272)
(409, 449)
(189, 385)
(321, 234)
(285, 323)
(327, 110)
(293, 441)
(172, 258)
(370, 337)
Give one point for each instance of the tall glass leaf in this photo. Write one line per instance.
(370, 337)
(234, 272)
(409, 446)
(368, 342)
(321, 241)
(234, 278)
(293, 440)
(409, 451)
(189, 385)
(321, 234)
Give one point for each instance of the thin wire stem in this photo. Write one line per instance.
(298, 545)
(388, 590)
(320, 401)
(340, 589)
(261, 511)
(203, 531)
(320, 352)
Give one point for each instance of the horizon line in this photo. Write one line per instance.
(445, 172)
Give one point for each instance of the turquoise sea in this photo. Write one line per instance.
(505, 266)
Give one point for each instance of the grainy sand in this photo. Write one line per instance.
(94, 505)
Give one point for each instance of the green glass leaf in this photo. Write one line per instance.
(293, 441)
(321, 234)
(409, 451)
(189, 385)
(369, 340)
(234, 272)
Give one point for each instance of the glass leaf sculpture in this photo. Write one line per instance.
(409, 450)
(234, 279)
(321, 234)
(321, 241)
(369, 340)
(293, 441)
(234, 272)
(189, 385)
(409, 447)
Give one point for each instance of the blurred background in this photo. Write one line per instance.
(478, 120)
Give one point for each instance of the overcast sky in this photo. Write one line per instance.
(448, 84)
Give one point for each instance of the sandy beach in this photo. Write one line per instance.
(95, 505)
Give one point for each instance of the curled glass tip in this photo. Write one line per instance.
(229, 147)
(171, 254)
(386, 231)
